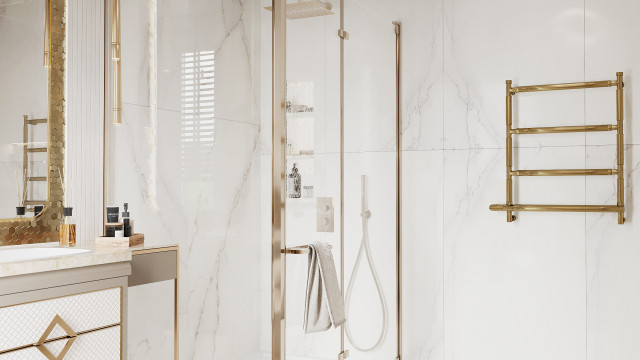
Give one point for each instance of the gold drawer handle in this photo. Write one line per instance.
(71, 335)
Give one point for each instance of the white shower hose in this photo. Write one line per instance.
(364, 247)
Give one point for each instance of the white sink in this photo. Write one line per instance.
(33, 253)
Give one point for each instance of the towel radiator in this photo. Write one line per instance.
(510, 207)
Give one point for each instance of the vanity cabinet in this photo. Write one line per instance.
(80, 315)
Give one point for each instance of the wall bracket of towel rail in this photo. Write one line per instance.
(510, 207)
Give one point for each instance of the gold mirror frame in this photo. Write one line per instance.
(44, 227)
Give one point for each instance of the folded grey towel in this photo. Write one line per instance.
(324, 304)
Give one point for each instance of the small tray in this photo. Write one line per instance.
(133, 240)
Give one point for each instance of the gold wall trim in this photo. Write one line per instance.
(44, 227)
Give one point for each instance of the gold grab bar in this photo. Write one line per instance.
(297, 250)
(564, 172)
(563, 129)
(510, 207)
(557, 208)
(568, 86)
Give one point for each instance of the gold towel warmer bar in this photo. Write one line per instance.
(510, 207)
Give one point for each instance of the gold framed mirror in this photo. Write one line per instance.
(32, 153)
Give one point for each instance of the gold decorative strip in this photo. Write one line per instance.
(567, 86)
(564, 129)
(72, 335)
(564, 172)
(557, 208)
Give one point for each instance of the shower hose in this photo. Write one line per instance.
(364, 249)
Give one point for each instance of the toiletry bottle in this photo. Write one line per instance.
(127, 222)
(294, 183)
(68, 228)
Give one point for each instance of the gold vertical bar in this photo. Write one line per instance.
(117, 62)
(278, 217)
(176, 309)
(398, 31)
(25, 160)
(620, 143)
(47, 39)
(343, 354)
(509, 150)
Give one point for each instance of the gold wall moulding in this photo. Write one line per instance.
(510, 207)
(44, 227)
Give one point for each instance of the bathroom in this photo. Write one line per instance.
(383, 129)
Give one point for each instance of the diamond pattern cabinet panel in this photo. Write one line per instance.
(97, 345)
(24, 324)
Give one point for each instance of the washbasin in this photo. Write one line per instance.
(32, 253)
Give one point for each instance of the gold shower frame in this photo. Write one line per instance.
(44, 227)
(510, 207)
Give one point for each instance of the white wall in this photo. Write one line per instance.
(85, 113)
(548, 285)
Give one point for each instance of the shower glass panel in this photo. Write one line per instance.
(370, 150)
(314, 178)
(313, 164)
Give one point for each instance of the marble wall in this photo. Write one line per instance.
(548, 285)
(186, 160)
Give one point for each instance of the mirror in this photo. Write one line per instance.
(23, 107)
(32, 45)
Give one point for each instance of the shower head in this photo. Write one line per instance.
(307, 9)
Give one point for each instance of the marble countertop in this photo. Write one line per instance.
(97, 255)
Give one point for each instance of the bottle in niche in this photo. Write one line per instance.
(294, 183)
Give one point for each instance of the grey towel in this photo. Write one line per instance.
(324, 304)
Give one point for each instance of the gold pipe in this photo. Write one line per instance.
(398, 28)
(342, 33)
(510, 216)
(47, 36)
(620, 140)
(567, 86)
(176, 308)
(557, 208)
(564, 129)
(278, 166)
(564, 172)
(117, 62)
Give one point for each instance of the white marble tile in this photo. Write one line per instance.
(364, 311)
(422, 229)
(138, 51)
(488, 42)
(422, 80)
(203, 200)
(202, 27)
(369, 79)
(607, 51)
(512, 290)
(612, 267)
(150, 304)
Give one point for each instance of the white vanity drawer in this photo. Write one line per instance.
(22, 325)
(97, 345)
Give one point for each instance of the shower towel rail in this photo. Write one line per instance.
(510, 207)
(563, 129)
(298, 250)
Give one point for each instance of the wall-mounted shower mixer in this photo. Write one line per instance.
(364, 249)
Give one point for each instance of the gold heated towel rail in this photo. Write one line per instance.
(510, 207)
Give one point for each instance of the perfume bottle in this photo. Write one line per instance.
(68, 228)
(294, 183)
